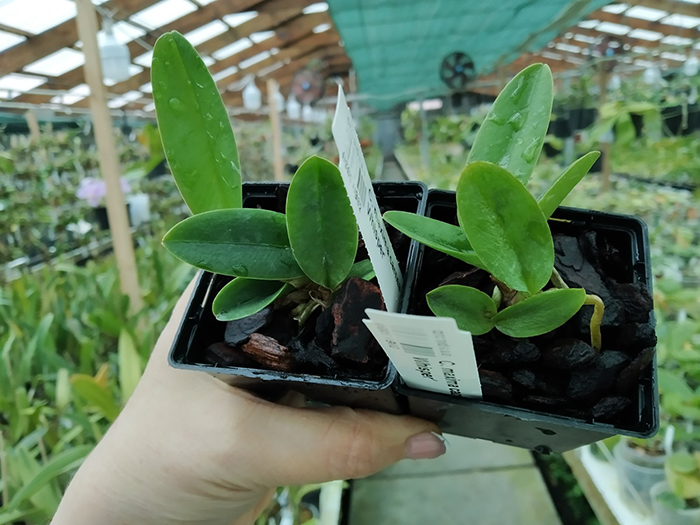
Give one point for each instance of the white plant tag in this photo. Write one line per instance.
(668, 439)
(430, 353)
(364, 204)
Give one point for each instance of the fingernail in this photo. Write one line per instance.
(428, 445)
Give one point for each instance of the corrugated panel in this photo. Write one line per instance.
(397, 46)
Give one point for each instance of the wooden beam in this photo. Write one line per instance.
(109, 160)
(63, 35)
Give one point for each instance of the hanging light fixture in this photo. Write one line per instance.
(252, 97)
(615, 82)
(691, 66)
(116, 59)
(293, 108)
(652, 76)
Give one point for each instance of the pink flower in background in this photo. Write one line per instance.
(94, 190)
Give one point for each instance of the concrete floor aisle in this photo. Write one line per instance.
(475, 483)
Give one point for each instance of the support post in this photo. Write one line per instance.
(109, 161)
(33, 124)
(277, 164)
(424, 143)
(604, 146)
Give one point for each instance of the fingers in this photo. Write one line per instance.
(317, 445)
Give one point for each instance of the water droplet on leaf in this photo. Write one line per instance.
(176, 103)
(532, 150)
(516, 121)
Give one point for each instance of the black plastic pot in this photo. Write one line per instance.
(199, 328)
(533, 429)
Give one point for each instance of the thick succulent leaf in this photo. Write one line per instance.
(243, 297)
(505, 227)
(438, 235)
(540, 313)
(239, 242)
(513, 132)
(471, 308)
(322, 227)
(195, 127)
(555, 195)
(362, 269)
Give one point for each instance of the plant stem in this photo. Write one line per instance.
(4, 473)
(596, 320)
(557, 281)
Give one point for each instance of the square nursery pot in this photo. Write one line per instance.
(527, 403)
(200, 332)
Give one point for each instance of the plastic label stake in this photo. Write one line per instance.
(430, 353)
(364, 203)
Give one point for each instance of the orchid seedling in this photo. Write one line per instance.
(502, 228)
(305, 254)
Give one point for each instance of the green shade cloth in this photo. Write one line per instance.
(397, 46)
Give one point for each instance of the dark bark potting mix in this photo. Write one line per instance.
(560, 372)
(331, 342)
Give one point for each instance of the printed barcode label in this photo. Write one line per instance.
(364, 203)
(424, 351)
(430, 353)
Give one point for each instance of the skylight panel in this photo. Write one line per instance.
(208, 61)
(674, 56)
(588, 24)
(254, 59)
(681, 21)
(206, 32)
(146, 88)
(584, 38)
(320, 28)
(643, 63)
(36, 16)
(145, 59)
(163, 13)
(17, 83)
(553, 56)
(236, 19)
(319, 7)
(225, 73)
(124, 32)
(74, 95)
(149, 107)
(643, 34)
(58, 63)
(232, 49)
(118, 102)
(567, 47)
(261, 36)
(615, 29)
(646, 13)
(639, 49)
(615, 8)
(9, 39)
(674, 40)
(269, 69)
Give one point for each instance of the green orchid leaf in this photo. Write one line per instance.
(243, 297)
(438, 235)
(555, 195)
(540, 313)
(322, 227)
(195, 127)
(513, 133)
(671, 501)
(505, 227)
(362, 269)
(239, 242)
(471, 308)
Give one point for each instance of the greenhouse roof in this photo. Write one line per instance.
(397, 49)
(42, 58)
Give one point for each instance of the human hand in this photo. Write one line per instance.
(190, 449)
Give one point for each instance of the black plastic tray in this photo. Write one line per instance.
(358, 393)
(531, 429)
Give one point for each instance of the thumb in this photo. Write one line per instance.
(325, 444)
